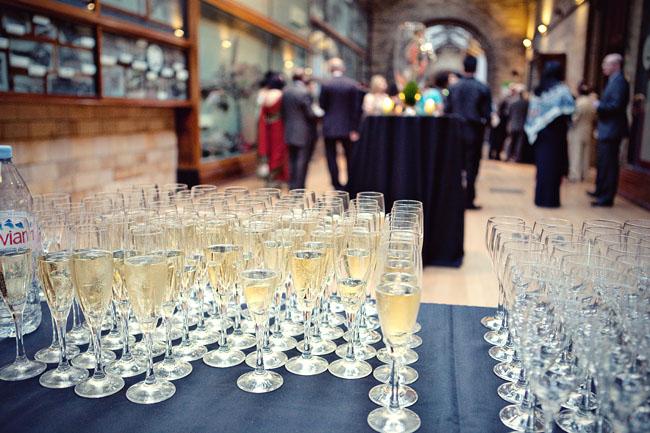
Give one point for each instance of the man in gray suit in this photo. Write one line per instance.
(298, 118)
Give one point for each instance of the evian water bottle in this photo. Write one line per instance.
(16, 200)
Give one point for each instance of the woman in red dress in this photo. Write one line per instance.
(270, 139)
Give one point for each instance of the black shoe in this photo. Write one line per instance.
(592, 194)
(598, 203)
(472, 206)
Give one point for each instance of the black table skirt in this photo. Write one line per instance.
(457, 393)
(416, 158)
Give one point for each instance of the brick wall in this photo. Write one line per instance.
(85, 149)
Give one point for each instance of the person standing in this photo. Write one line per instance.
(472, 102)
(377, 101)
(518, 113)
(270, 131)
(580, 134)
(547, 123)
(298, 118)
(612, 128)
(340, 99)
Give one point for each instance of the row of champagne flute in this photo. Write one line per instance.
(109, 213)
(572, 331)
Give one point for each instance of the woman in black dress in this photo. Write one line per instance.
(548, 120)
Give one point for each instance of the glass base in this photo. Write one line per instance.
(204, 336)
(563, 367)
(215, 323)
(63, 377)
(177, 320)
(98, 388)
(414, 341)
(417, 328)
(346, 369)
(50, 355)
(575, 400)
(335, 320)
(77, 336)
(410, 356)
(114, 341)
(248, 326)
(282, 342)
(134, 327)
(306, 366)
(172, 369)
(496, 338)
(514, 417)
(292, 329)
(387, 420)
(363, 352)
(370, 308)
(507, 371)
(241, 341)
(330, 332)
(407, 375)
(150, 393)
(220, 358)
(318, 347)
(271, 359)
(129, 367)
(380, 394)
(87, 359)
(511, 392)
(493, 323)
(336, 307)
(22, 369)
(190, 351)
(160, 334)
(501, 353)
(366, 336)
(578, 422)
(259, 382)
(139, 349)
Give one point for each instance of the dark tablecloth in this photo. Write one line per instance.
(457, 393)
(415, 158)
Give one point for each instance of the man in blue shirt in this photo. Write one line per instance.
(612, 128)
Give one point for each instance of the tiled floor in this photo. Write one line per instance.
(502, 189)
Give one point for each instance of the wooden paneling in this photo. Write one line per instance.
(634, 185)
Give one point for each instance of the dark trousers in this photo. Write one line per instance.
(607, 170)
(298, 163)
(330, 153)
(517, 140)
(472, 138)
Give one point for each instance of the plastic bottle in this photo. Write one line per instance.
(16, 198)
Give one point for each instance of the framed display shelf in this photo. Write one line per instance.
(108, 102)
(213, 171)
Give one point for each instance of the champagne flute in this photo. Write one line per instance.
(172, 368)
(15, 279)
(146, 270)
(306, 263)
(352, 267)
(397, 305)
(92, 276)
(56, 275)
(258, 286)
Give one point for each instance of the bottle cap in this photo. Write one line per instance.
(6, 152)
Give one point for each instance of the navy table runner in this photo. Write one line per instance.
(417, 158)
(456, 388)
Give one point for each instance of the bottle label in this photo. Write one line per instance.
(17, 230)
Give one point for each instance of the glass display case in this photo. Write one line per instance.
(233, 57)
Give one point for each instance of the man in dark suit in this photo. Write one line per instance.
(472, 102)
(298, 119)
(340, 99)
(612, 127)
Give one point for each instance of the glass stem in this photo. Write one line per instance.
(278, 314)
(169, 355)
(149, 379)
(394, 391)
(530, 420)
(64, 363)
(126, 349)
(223, 336)
(236, 329)
(186, 322)
(349, 353)
(114, 316)
(306, 353)
(55, 341)
(259, 357)
(20, 346)
(75, 314)
(99, 371)
(199, 296)
(500, 301)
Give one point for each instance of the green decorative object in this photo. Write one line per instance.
(411, 93)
